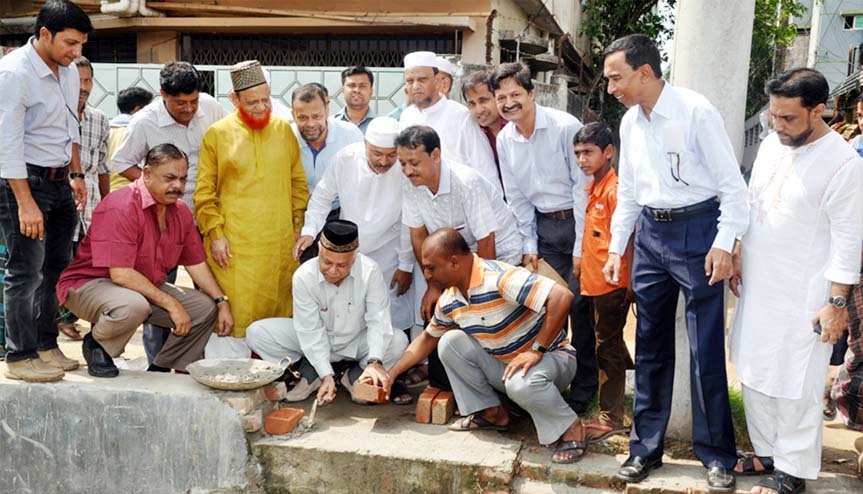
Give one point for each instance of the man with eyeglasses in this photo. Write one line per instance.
(680, 184)
(180, 117)
(41, 184)
(250, 174)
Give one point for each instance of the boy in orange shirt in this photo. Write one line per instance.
(609, 304)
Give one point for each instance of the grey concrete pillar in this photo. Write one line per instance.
(712, 40)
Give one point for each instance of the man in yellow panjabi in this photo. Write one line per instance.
(250, 201)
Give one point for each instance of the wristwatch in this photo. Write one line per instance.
(537, 347)
(373, 361)
(838, 301)
(74, 175)
(219, 300)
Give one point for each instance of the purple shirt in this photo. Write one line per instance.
(125, 234)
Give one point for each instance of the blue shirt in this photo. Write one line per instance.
(339, 135)
(38, 112)
(364, 123)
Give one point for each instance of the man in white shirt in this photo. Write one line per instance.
(461, 140)
(180, 117)
(799, 259)
(443, 193)
(364, 178)
(680, 181)
(341, 320)
(548, 193)
(320, 137)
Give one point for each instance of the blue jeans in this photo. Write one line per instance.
(33, 266)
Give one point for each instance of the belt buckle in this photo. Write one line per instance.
(663, 215)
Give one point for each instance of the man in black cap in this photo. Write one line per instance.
(341, 320)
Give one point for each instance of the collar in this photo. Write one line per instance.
(39, 66)
(445, 185)
(121, 120)
(343, 115)
(164, 119)
(663, 106)
(540, 121)
(502, 121)
(147, 200)
(594, 188)
(476, 273)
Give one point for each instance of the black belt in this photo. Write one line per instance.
(58, 174)
(677, 214)
(563, 214)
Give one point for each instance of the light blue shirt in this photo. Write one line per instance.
(364, 123)
(339, 135)
(540, 173)
(38, 112)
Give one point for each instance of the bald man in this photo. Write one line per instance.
(499, 328)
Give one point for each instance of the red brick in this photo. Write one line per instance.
(252, 422)
(275, 391)
(244, 401)
(442, 408)
(283, 420)
(369, 392)
(424, 405)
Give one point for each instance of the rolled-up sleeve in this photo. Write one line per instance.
(12, 111)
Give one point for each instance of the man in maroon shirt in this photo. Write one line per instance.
(117, 279)
(483, 108)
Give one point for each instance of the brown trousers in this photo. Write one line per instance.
(609, 313)
(116, 313)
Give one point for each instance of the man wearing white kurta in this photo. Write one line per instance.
(799, 258)
(461, 139)
(368, 185)
(341, 315)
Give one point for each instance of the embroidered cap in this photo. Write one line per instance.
(340, 236)
(382, 132)
(248, 74)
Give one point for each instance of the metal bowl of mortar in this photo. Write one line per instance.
(234, 374)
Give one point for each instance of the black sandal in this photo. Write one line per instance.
(400, 395)
(566, 446)
(748, 462)
(782, 483)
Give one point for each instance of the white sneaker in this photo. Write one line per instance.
(303, 389)
(345, 381)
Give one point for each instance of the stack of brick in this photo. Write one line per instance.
(253, 405)
(435, 406)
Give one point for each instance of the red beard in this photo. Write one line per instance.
(252, 122)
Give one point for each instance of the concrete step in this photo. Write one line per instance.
(523, 486)
(382, 449)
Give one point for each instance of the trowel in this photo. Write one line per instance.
(307, 422)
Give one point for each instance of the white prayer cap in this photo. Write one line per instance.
(382, 132)
(444, 65)
(420, 59)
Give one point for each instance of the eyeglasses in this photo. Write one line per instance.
(674, 164)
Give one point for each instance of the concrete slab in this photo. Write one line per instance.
(592, 471)
(137, 433)
(382, 449)
(522, 486)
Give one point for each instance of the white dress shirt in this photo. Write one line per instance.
(685, 129)
(461, 139)
(541, 173)
(38, 112)
(332, 319)
(153, 125)
(374, 202)
(467, 202)
(805, 231)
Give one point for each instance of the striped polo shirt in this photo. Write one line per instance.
(504, 310)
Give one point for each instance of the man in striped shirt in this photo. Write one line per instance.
(499, 329)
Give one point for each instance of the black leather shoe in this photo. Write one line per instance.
(99, 363)
(720, 479)
(635, 468)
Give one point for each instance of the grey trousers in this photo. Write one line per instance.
(475, 376)
(116, 313)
